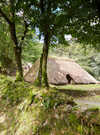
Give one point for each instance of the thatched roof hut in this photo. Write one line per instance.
(58, 69)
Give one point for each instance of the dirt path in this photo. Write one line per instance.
(88, 102)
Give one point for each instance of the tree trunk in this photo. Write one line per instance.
(44, 65)
(17, 48)
(43, 78)
(40, 71)
(18, 52)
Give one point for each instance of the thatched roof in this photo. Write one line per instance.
(58, 69)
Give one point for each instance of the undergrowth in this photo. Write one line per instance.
(33, 111)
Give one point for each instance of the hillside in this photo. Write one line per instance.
(26, 110)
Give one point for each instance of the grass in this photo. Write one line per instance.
(31, 111)
(83, 87)
(88, 102)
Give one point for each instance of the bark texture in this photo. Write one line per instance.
(17, 50)
(43, 78)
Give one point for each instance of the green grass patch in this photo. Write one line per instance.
(83, 87)
(29, 110)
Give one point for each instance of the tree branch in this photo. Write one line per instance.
(5, 16)
(42, 6)
(26, 29)
(13, 33)
(25, 32)
(12, 8)
(11, 26)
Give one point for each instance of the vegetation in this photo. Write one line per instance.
(86, 56)
(31, 52)
(47, 16)
(34, 111)
(13, 17)
(55, 19)
(80, 87)
(31, 30)
(6, 47)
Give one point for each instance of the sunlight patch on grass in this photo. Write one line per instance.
(30, 110)
(86, 87)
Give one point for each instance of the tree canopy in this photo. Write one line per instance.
(54, 20)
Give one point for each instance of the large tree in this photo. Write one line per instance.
(54, 19)
(14, 16)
